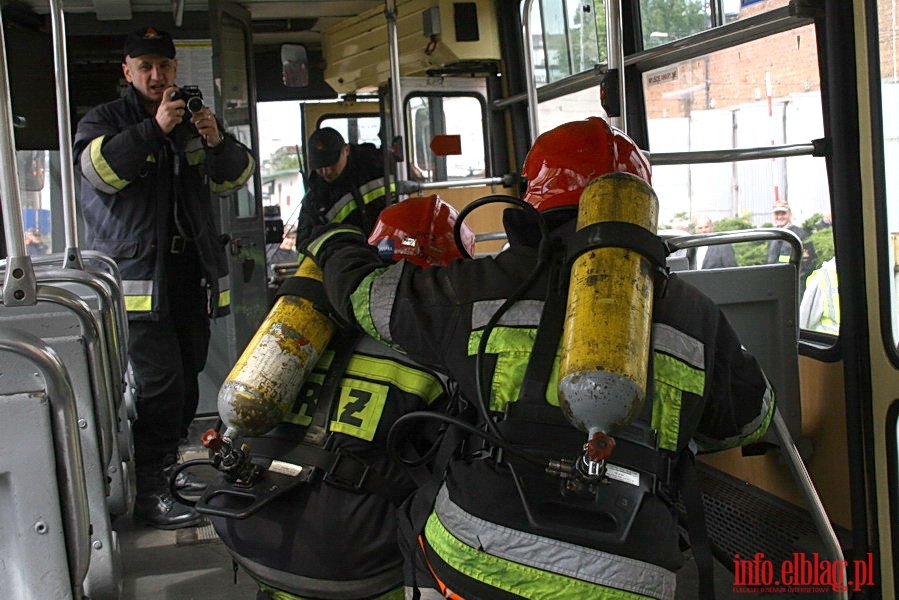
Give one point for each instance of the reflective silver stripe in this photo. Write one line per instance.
(678, 344)
(350, 588)
(137, 287)
(194, 144)
(371, 186)
(423, 594)
(373, 347)
(707, 443)
(554, 556)
(384, 290)
(524, 313)
(347, 198)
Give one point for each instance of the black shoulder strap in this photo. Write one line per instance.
(317, 432)
(543, 354)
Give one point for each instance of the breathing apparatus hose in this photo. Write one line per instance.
(543, 253)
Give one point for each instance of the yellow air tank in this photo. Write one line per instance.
(608, 320)
(268, 375)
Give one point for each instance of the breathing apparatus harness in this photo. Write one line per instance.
(250, 480)
(610, 493)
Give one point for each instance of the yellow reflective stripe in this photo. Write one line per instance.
(408, 379)
(513, 577)
(512, 347)
(672, 377)
(316, 244)
(196, 157)
(368, 198)
(104, 171)
(138, 303)
(227, 186)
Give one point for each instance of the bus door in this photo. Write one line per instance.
(241, 218)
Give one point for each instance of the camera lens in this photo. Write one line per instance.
(195, 104)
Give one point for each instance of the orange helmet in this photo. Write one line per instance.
(564, 160)
(420, 230)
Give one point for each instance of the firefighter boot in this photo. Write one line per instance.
(156, 506)
(185, 481)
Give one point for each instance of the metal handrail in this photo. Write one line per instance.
(66, 447)
(733, 237)
(816, 507)
(18, 283)
(109, 272)
(101, 389)
(735, 154)
(411, 187)
(113, 346)
(66, 167)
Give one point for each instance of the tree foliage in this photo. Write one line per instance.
(677, 18)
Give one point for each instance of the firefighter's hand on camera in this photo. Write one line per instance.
(170, 112)
(207, 127)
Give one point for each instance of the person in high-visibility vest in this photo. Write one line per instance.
(820, 306)
(505, 514)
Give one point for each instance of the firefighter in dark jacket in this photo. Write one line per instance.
(150, 167)
(325, 539)
(493, 525)
(346, 184)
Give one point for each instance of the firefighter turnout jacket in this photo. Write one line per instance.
(136, 181)
(499, 528)
(335, 537)
(356, 197)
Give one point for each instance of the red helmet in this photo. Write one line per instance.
(564, 160)
(420, 230)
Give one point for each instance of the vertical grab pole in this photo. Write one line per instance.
(530, 81)
(616, 58)
(57, 21)
(18, 279)
(396, 104)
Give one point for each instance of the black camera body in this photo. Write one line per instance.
(193, 98)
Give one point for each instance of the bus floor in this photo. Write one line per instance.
(185, 564)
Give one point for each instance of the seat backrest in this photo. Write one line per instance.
(761, 303)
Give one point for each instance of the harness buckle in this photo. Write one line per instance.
(178, 244)
(344, 472)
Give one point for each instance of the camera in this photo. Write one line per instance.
(192, 96)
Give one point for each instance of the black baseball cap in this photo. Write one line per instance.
(149, 41)
(325, 146)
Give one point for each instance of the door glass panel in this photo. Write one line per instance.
(236, 99)
(461, 116)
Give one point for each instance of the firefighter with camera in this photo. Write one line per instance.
(152, 164)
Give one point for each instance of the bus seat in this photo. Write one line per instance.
(74, 336)
(44, 519)
(761, 303)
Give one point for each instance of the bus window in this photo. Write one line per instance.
(737, 98)
(429, 115)
(568, 38)
(355, 129)
(887, 13)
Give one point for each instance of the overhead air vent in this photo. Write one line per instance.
(283, 25)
